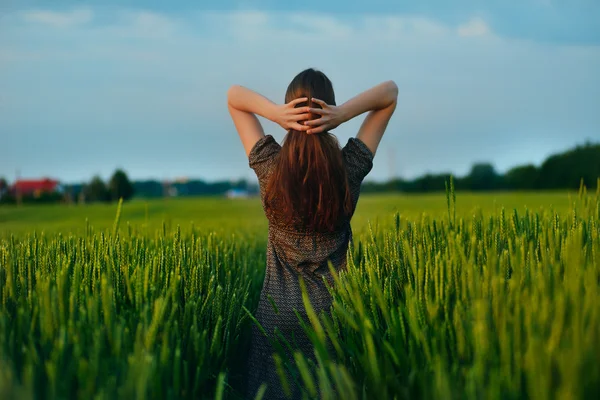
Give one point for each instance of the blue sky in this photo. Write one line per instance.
(86, 87)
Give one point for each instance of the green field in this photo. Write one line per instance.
(492, 296)
(242, 215)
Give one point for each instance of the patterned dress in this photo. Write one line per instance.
(291, 254)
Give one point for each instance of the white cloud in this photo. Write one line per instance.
(152, 21)
(144, 24)
(402, 26)
(475, 27)
(245, 25)
(59, 19)
(246, 18)
(326, 26)
(293, 26)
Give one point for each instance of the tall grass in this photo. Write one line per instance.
(501, 304)
(487, 306)
(120, 314)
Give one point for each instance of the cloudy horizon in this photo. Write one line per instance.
(86, 90)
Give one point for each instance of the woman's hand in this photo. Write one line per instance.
(288, 116)
(331, 118)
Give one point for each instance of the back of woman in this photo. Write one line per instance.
(309, 190)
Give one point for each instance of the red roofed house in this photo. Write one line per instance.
(34, 188)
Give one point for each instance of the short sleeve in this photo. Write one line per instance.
(359, 161)
(261, 157)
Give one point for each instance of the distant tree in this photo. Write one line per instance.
(522, 177)
(483, 176)
(427, 183)
(393, 185)
(96, 190)
(3, 186)
(148, 189)
(120, 186)
(565, 170)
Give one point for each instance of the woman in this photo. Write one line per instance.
(309, 190)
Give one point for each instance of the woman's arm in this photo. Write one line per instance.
(244, 104)
(380, 100)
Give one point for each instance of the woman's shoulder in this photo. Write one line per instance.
(264, 148)
(356, 147)
(358, 158)
(262, 155)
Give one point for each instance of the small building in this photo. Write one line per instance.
(237, 193)
(35, 187)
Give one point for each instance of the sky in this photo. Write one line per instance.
(90, 86)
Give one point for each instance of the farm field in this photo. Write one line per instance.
(467, 296)
(226, 215)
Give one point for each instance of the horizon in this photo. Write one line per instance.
(184, 179)
(87, 89)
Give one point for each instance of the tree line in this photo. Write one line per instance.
(119, 186)
(559, 171)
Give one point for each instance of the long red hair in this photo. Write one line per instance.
(308, 188)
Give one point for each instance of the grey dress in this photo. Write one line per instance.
(290, 254)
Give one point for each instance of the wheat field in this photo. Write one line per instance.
(457, 296)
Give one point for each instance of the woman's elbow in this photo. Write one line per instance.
(231, 93)
(393, 91)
